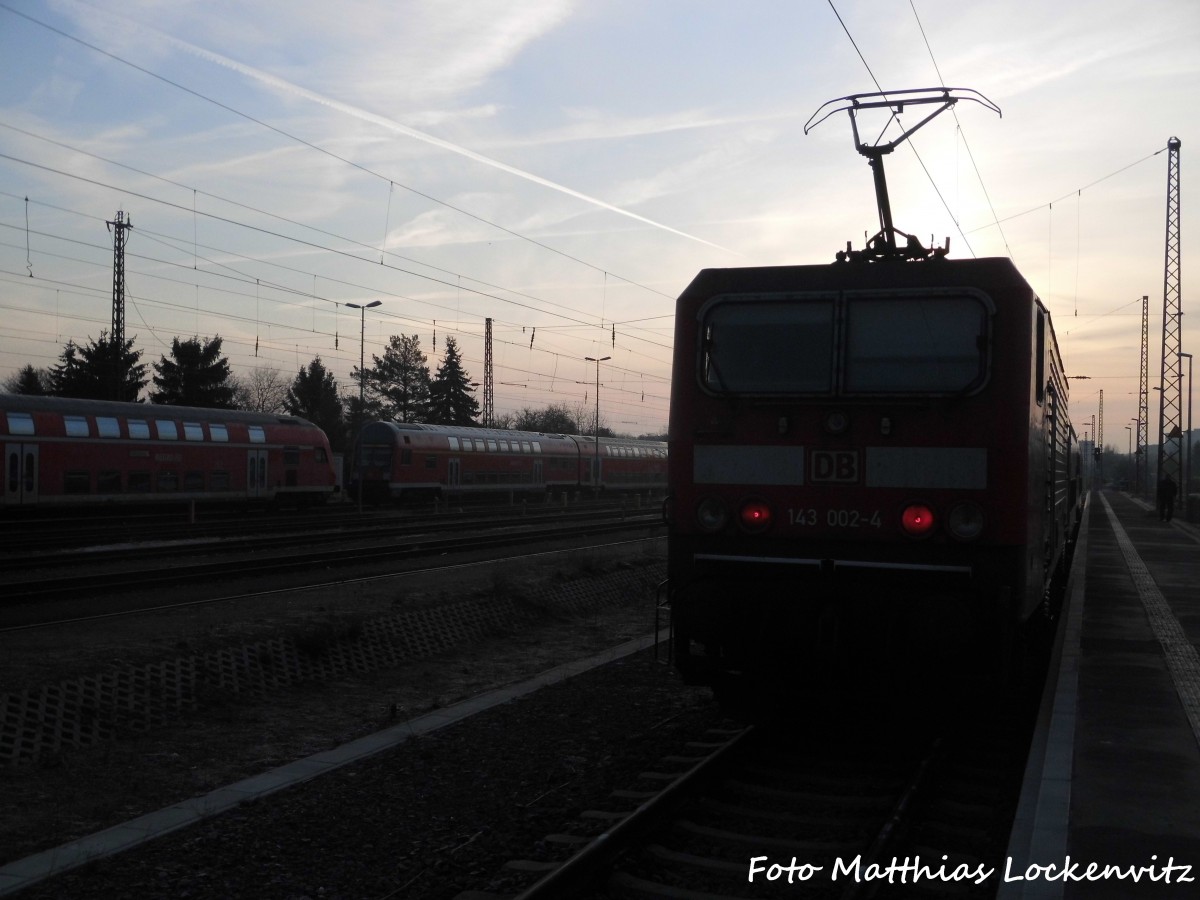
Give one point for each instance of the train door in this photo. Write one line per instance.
(453, 471)
(20, 474)
(537, 472)
(256, 474)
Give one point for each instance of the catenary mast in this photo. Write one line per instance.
(1170, 399)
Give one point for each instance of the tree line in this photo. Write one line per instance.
(397, 386)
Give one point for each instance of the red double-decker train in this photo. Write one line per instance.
(405, 460)
(871, 465)
(60, 452)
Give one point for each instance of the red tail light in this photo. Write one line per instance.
(755, 515)
(917, 519)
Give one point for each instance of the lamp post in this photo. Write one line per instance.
(596, 468)
(362, 390)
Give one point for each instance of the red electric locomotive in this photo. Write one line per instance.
(406, 460)
(64, 452)
(871, 469)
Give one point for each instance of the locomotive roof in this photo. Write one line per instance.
(72, 406)
(992, 272)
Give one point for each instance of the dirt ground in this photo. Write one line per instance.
(82, 791)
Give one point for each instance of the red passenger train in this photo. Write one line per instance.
(870, 462)
(405, 460)
(64, 452)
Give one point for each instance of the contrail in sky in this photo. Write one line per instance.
(400, 128)
(383, 122)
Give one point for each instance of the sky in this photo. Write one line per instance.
(565, 168)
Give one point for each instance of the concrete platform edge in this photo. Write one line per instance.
(1039, 832)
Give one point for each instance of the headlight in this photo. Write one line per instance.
(966, 521)
(710, 515)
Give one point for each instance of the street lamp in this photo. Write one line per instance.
(596, 468)
(362, 388)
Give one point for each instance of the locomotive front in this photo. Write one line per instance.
(858, 457)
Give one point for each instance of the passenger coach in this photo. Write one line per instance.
(406, 460)
(869, 464)
(64, 452)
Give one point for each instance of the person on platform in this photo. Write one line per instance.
(1166, 498)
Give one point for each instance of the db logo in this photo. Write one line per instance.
(834, 465)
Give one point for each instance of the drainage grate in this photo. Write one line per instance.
(43, 721)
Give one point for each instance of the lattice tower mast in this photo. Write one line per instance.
(1100, 435)
(489, 410)
(1141, 460)
(1170, 401)
(117, 335)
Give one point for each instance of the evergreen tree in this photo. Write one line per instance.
(88, 371)
(450, 400)
(400, 380)
(29, 381)
(313, 396)
(196, 375)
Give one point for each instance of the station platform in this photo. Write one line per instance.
(1113, 779)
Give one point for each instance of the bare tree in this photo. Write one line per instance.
(559, 418)
(264, 389)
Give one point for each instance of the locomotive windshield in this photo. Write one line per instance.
(856, 344)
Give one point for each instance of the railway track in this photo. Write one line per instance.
(849, 812)
(30, 539)
(259, 562)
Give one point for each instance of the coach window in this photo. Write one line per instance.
(466, 444)
(504, 446)
(139, 482)
(108, 427)
(257, 435)
(537, 446)
(291, 456)
(914, 345)
(138, 429)
(431, 462)
(218, 433)
(525, 447)
(491, 445)
(453, 441)
(77, 483)
(167, 430)
(782, 346)
(479, 445)
(20, 423)
(219, 481)
(193, 431)
(108, 482)
(193, 481)
(77, 426)
(319, 455)
(168, 482)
